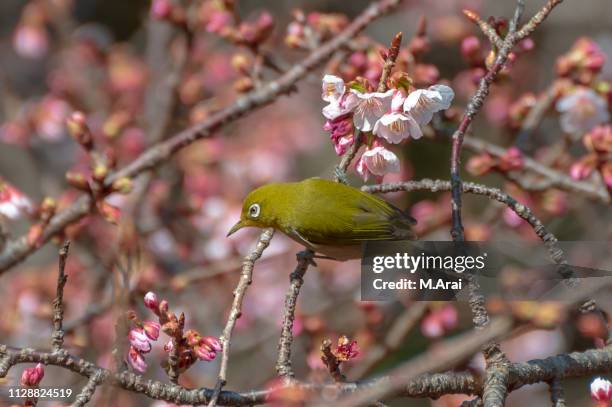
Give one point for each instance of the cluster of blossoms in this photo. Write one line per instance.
(392, 117)
(191, 345)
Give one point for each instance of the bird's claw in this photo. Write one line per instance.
(307, 256)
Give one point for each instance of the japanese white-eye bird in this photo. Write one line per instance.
(327, 217)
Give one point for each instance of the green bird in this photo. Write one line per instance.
(327, 217)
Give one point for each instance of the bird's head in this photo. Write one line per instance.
(258, 209)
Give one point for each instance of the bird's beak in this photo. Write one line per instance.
(239, 225)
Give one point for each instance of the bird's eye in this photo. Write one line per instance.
(254, 210)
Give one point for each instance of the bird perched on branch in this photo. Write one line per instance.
(327, 217)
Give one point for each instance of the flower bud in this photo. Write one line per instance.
(139, 340)
(151, 302)
(109, 212)
(32, 376)
(123, 185)
(100, 171)
(480, 164)
(136, 360)
(212, 343)
(244, 84)
(601, 390)
(78, 181)
(584, 167)
(161, 9)
(512, 160)
(78, 129)
(151, 329)
(241, 63)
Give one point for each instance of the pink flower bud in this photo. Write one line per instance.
(151, 302)
(480, 164)
(471, 50)
(512, 160)
(218, 21)
(212, 343)
(584, 167)
(161, 9)
(204, 353)
(139, 340)
(169, 346)
(31, 41)
(163, 306)
(151, 328)
(606, 172)
(32, 376)
(342, 144)
(136, 360)
(601, 390)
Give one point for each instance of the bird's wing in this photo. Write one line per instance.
(357, 220)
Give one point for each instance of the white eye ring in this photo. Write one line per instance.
(254, 210)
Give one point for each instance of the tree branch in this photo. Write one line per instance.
(283, 365)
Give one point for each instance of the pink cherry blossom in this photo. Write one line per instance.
(582, 110)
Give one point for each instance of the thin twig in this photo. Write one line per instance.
(246, 277)
(283, 365)
(58, 306)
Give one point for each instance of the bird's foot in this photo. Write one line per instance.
(341, 176)
(307, 256)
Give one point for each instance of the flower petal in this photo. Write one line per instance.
(423, 103)
(371, 107)
(396, 127)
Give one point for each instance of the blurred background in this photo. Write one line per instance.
(57, 56)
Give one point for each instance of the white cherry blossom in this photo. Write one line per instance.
(423, 103)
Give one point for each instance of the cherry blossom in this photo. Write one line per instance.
(582, 110)
(423, 103)
(371, 107)
(13, 203)
(378, 161)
